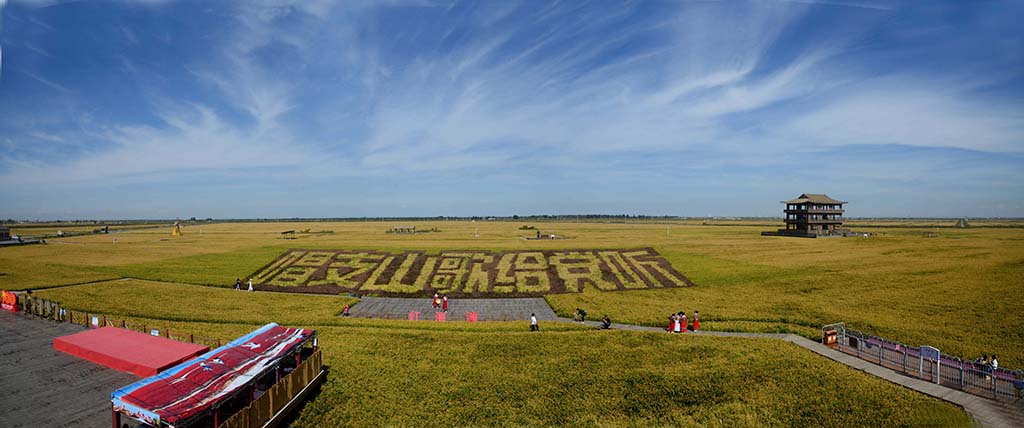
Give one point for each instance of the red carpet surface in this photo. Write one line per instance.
(128, 351)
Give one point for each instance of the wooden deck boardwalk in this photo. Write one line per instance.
(43, 387)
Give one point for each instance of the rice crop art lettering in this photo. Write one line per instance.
(468, 272)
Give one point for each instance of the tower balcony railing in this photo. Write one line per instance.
(814, 221)
(815, 211)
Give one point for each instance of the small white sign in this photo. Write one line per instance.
(95, 322)
(154, 332)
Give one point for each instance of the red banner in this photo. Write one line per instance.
(9, 301)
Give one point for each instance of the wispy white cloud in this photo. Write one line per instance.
(320, 91)
(38, 50)
(564, 103)
(875, 5)
(195, 139)
(45, 81)
(902, 112)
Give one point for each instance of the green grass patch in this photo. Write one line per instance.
(218, 269)
(24, 274)
(181, 302)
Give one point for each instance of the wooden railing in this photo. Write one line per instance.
(816, 211)
(256, 414)
(40, 308)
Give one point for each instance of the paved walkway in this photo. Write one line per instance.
(988, 413)
(47, 388)
(486, 309)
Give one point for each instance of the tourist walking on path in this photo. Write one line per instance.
(682, 320)
(250, 284)
(533, 323)
(676, 328)
(437, 301)
(445, 304)
(238, 283)
(696, 320)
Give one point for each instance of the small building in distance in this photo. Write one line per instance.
(5, 233)
(403, 229)
(813, 216)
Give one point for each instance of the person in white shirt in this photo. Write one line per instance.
(250, 284)
(533, 323)
(995, 363)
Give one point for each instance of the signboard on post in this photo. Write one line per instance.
(95, 322)
(9, 301)
(932, 355)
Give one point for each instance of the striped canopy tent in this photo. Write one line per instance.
(193, 391)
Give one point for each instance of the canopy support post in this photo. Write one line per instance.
(115, 417)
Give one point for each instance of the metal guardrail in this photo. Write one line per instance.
(927, 363)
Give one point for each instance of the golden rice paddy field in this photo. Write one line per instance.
(959, 291)
(399, 373)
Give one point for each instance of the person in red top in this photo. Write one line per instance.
(445, 304)
(696, 320)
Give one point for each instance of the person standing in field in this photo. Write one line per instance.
(445, 304)
(238, 283)
(250, 284)
(696, 320)
(676, 328)
(533, 323)
(344, 311)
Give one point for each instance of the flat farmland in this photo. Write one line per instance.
(400, 373)
(954, 291)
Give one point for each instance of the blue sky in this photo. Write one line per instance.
(159, 109)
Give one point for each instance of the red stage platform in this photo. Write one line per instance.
(128, 351)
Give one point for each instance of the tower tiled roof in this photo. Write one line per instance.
(814, 198)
